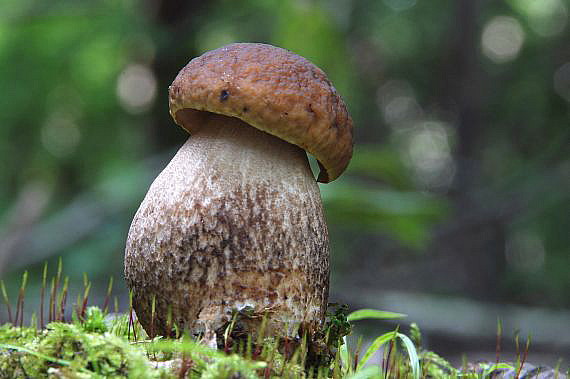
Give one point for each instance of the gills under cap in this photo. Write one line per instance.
(272, 89)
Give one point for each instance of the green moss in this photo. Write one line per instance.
(99, 346)
(232, 366)
(79, 349)
(10, 333)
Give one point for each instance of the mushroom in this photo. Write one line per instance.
(235, 220)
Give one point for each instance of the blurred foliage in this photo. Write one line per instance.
(455, 119)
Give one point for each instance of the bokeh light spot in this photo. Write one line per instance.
(429, 155)
(397, 101)
(60, 134)
(136, 88)
(546, 17)
(397, 37)
(502, 39)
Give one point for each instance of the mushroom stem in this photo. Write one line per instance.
(233, 222)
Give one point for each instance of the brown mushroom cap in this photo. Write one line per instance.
(273, 90)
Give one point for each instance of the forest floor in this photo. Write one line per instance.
(95, 344)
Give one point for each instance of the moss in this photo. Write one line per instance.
(94, 321)
(79, 349)
(232, 366)
(100, 346)
(10, 333)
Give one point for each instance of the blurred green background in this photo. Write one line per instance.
(455, 208)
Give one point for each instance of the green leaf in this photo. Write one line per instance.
(376, 345)
(362, 314)
(497, 366)
(412, 354)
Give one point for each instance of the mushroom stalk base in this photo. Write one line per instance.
(233, 223)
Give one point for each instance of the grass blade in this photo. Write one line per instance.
(412, 354)
(6, 301)
(42, 294)
(108, 295)
(376, 345)
(497, 366)
(363, 314)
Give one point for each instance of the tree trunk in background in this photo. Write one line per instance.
(475, 248)
(176, 21)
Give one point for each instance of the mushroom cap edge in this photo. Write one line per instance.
(273, 90)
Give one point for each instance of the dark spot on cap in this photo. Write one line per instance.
(245, 109)
(224, 95)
